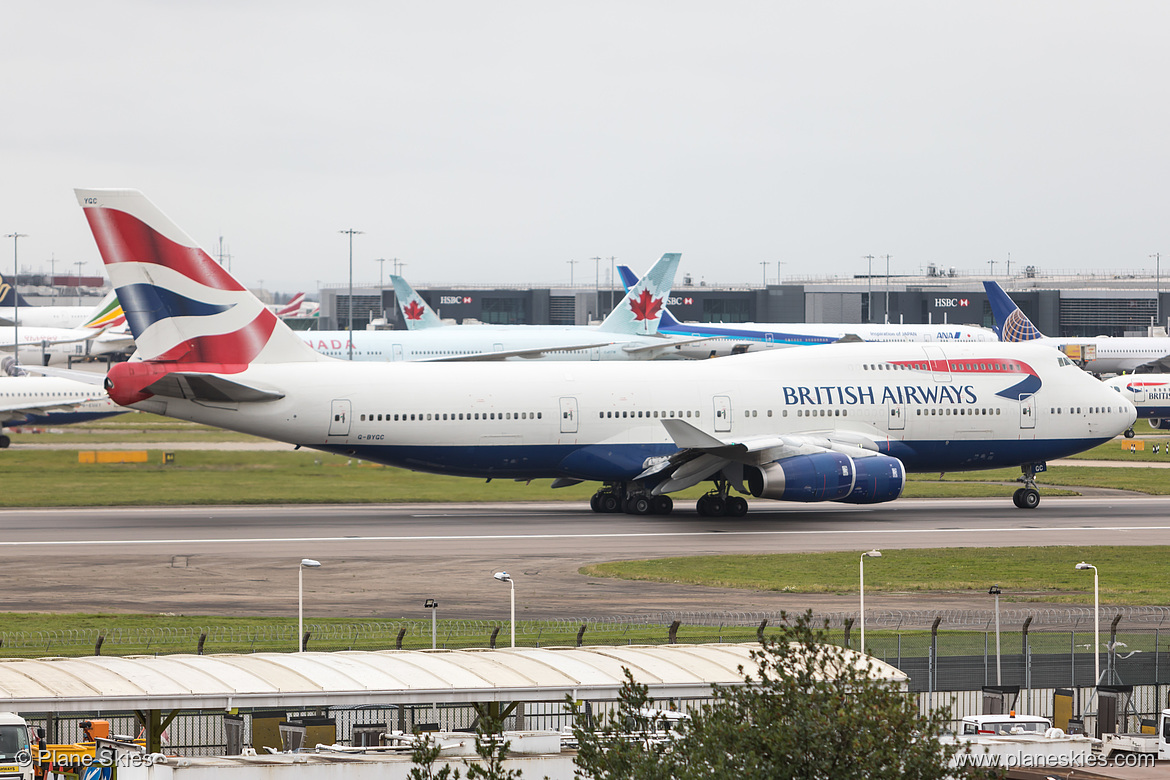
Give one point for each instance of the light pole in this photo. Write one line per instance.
(15, 296)
(887, 289)
(1157, 287)
(571, 264)
(381, 261)
(861, 590)
(306, 563)
(1096, 622)
(869, 281)
(79, 263)
(994, 591)
(433, 606)
(502, 576)
(764, 266)
(351, 232)
(597, 285)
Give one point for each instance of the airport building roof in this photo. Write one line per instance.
(363, 677)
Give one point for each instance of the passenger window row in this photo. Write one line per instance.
(653, 414)
(451, 416)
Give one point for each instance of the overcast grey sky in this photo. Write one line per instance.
(494, 141)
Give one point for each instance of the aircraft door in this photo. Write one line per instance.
(339, 424)
(722, 405)
(568, 415)
(1028, 411)
(1139, 393)
(939, 368)
(896, 416)
(595, 353)
(769, 339)
(396, 352)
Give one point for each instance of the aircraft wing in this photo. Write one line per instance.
(87, 336)
(195, 386)
(666, 346)
(531, 353)
(12, 411)
(701, 454)
(86, 377)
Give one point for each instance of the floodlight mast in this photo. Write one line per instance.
(306, 563)
(503, 576)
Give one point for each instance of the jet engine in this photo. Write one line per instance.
(879, 478)
(825, 476)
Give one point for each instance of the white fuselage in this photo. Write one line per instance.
(1115, 355)
(55, 346)
(52, 400)
(937, 409)
(1149, 393)
(47, 316)
(453, 341)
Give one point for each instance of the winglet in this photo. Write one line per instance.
(641, 310)
(1010, 323)
(414, 310)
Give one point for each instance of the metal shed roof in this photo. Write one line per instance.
(380, 677)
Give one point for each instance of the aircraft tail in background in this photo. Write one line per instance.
(640, 312)
(1010, 323)
(416, 314)
(629, 279)
(107, 314)
(9, 296)
(181, 305)
(291, 308)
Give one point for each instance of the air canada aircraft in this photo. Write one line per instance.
(836, 423)
(628, 333)
(737, 338)
(1108, 355)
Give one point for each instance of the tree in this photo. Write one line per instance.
(809, 709)
(490, 746)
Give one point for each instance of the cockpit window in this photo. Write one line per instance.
(1063, 361)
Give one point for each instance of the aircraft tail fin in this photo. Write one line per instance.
(641, 310)
(107, 314)
(292, 307)
(416, 313)
(1010, 323)
(629, 279)
(182, 306)
(9, 296)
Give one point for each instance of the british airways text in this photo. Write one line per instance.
(903, 394)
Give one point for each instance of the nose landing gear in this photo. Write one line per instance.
(1027, 497)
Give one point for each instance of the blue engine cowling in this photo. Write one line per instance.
(879, 478)
(826, 476)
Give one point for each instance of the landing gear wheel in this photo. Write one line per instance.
(661, 505)
(638, 505)
(1016, 498)
(1029, 498)
(595, 502)
(735, 507)
(4, 442)
(1129, 434)
(609, 503)
(716, 506)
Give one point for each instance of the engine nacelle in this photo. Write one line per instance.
(879, 478)
(826, 476)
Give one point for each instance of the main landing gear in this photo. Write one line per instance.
(1027, 497)
(616, 497)
(718, 503)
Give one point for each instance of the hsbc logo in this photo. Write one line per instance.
(450, 300)
(680, 301)
(951, 303)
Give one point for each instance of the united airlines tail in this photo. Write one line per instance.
(415, 312)
(182, 306)
(640, 312)
(1010, 323)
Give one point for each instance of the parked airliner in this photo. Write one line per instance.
(12, 303)
(1149, 393)
(102, 333)
(49, 400)
(628, 333)
(835, 423)
(740, 337)
(1110, 355)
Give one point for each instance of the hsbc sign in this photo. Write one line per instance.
(951, 303)
(450, 300)
(680, 301)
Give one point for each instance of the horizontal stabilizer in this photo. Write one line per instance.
(208, 387)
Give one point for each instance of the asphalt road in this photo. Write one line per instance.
(384, 561)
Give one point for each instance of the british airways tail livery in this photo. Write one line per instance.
(1098, 354)
(736, 338)
(838, 423)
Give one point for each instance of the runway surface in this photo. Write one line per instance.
(384, 561)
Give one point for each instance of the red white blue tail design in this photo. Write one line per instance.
(182, 306)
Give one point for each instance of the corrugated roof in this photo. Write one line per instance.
(380, 677)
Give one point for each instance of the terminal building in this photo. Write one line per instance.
(1103, 303)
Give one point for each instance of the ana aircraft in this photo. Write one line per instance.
(1149, 393)
(734, 339)
(837, 423)
(102, 333)
(49, 400)
(628, 333)
(1106, 355)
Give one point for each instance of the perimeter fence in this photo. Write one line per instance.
(951, 650)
